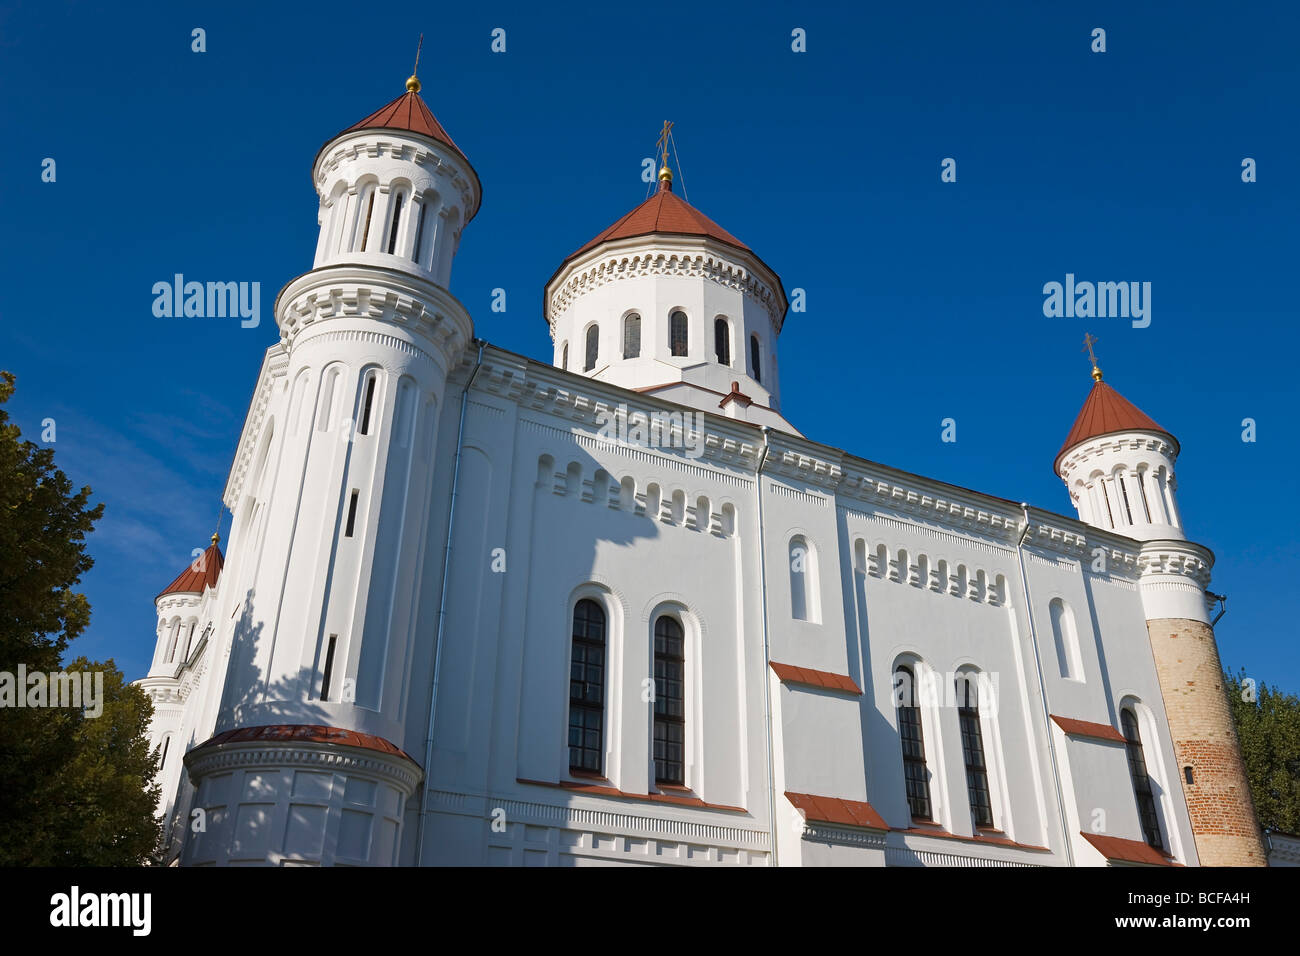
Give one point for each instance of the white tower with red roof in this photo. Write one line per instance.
(331, 494)
(1119, 467)
(666, 301)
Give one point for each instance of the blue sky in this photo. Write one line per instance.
(924, 298)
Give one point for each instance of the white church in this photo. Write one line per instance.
(479, 609)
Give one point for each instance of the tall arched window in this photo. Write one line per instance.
(972, 748)
(1137, 768)
(915, 774)
(587, 689)
(593, 348)
(722, 341)
(670, 709)
(755, 359)
(564, 356)
(677, 332)
(397, 220)
(632, 336)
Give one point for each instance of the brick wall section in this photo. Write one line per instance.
(1196, 705)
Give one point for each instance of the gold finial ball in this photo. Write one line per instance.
(215, 537)
(1096, 374)
(413, 84)
(665, 175)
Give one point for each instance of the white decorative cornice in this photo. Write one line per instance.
(894, 492)
(1118, 443)
(662, 255)
(1178, 558)
(407, 146)
(378, 294)
(397, 771)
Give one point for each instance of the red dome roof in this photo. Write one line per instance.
(1104, 412)
(407, 112)
(663, 213)
(191, 581)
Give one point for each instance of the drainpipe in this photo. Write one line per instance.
(1066, 836)
(767, 676)
(442, 611)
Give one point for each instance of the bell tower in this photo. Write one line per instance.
(305, 762)
(1118, 465)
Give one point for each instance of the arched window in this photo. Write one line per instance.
(1067, 640)
(632, 336)
(722, 341)
(167, 742)
(587, 689)
(1137, 768)
(593, 347)
(677, 332)
(972, 748)
(670, 709)
(915, 774)
(564, 356)
(755, 359)
(397, 219)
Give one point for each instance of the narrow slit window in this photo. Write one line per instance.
(1105, 496)
(397, 219)
(419, 233)
(915, 773)
(352, 514)
(1123, 490)
(755, 363)
(367, 405)
(1142, 490)
(370, 208)
(329, 668)
(564, 357)
(162, 761)
(670, 711)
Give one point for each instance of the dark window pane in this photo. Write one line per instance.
(587, 688)
(669, 709)
(915, 774)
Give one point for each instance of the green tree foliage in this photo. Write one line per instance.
(1268, 726)
(73, 789)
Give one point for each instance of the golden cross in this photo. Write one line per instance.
(1089, 340)
(417, 55)
(663, 140)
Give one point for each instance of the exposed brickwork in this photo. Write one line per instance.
(1218, 799)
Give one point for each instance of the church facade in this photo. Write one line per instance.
(613, 608)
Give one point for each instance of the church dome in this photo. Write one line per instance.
(408, 113)
(663, 213)
(1105, 412)
(191, 581)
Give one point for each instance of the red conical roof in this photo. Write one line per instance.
(663, 213)
(191, 581)
(1104, 412)
(407, 112)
